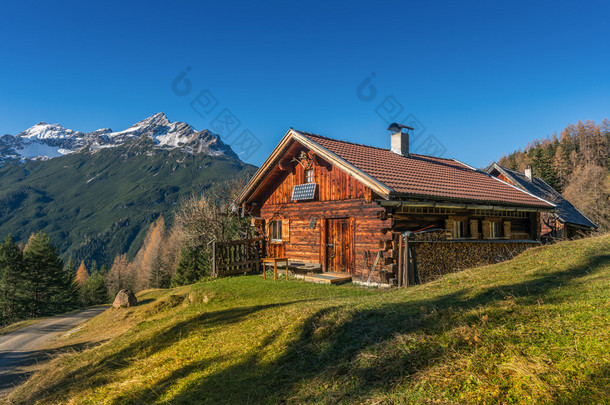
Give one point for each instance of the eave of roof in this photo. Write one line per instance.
(292, 134)
(428, 176)
(566, 212)
(384, 190)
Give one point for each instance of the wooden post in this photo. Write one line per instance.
(400, 261)
(407, 272)
(214, 269)
(257, 257)
(274, 270)
(323, 243)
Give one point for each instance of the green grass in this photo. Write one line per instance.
(534, 329)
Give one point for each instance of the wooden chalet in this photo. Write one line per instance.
(566, 222)
(341, 207)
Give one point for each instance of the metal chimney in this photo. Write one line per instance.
(399, 142)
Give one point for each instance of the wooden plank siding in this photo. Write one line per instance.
(338, 195)
(332, 185)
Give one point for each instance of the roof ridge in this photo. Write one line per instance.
(534, 178)
(367, 146)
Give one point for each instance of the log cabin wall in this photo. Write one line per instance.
(338, 195)
(305, 243)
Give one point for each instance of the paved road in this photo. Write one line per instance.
(21, 348)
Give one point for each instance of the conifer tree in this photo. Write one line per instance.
(69, 291)
(159, 276)
(44, 277)
(191, 267)
(95, 291)
(12, 285)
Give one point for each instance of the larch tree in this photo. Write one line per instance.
(589, 191)
(82, 274)
(561, 166)
(170, 249)
(143, 262)
(120, 276)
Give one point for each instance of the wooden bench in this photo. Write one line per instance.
(275, 261)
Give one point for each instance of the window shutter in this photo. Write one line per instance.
(268, 229)
(286, 230)
(507, 234)
(486, 229)
(474, 229)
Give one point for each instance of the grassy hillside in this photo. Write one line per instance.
(532, 329)
(95, 206)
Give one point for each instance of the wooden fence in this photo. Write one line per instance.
(237, 257)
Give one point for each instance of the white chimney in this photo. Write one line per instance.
(528, 172)
(399, 140)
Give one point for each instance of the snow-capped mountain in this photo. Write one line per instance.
(45, 141)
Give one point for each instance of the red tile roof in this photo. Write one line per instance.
(420, 175)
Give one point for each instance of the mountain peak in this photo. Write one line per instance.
(42, 130)
(154, 120)
(43, 140)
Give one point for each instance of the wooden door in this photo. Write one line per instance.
(339, 245)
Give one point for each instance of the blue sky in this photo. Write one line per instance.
(483, 78)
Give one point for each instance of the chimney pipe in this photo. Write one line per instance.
(528, 173)
(399, 140)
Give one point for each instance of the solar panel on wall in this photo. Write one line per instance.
(304, 192)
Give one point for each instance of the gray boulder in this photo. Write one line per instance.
(125, 298)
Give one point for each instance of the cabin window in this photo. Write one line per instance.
(494, 231)
(459, 229)
(276, 231)
(309, 176)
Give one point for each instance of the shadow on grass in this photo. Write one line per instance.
(15, 362)
(325, 349)
(90, 376)
(335, 355)
(146, 301)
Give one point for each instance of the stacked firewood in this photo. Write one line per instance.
(436, 259)
(431, 236)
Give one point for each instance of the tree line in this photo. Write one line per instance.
(577, 164)
(180, 254)
(35, 281)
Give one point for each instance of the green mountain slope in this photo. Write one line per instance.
(531, 330)
(98, 205)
